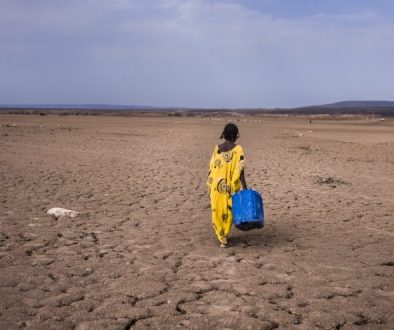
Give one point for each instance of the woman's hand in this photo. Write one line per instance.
(243, 181)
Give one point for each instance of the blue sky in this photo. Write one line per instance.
(200, 53)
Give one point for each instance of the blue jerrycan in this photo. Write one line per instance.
(248, 210)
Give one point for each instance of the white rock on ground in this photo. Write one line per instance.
(60, 212)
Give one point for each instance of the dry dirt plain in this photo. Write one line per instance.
(142, 254)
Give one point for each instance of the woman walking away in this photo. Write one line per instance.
(226, 173)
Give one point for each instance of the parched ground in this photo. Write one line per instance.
(143, 253)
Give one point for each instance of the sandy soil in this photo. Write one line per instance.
(143, 252)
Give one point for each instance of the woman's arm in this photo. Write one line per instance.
(243, 181)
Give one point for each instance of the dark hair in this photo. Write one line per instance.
(230, 132)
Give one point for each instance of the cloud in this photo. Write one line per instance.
(191, 53)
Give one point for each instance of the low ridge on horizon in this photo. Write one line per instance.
(355, 104)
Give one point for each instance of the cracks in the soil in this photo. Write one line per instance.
(339, 325)
(298, 317)
(178, 263)
(176, 266)
(91, 236)
(331, 295)
(289, 293)
(133, 321)
(364, 320)
(132, 300)
(179, 308)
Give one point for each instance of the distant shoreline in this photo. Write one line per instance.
(182, 112)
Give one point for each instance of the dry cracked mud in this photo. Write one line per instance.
(142, 254)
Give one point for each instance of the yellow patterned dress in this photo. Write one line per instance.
(223, 181)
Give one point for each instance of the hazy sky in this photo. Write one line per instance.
(200, 53)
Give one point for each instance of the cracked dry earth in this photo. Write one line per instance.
(142, 254)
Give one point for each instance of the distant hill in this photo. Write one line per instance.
(379, 108)
(356, 104)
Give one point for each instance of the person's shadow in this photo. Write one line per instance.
(268, 236)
